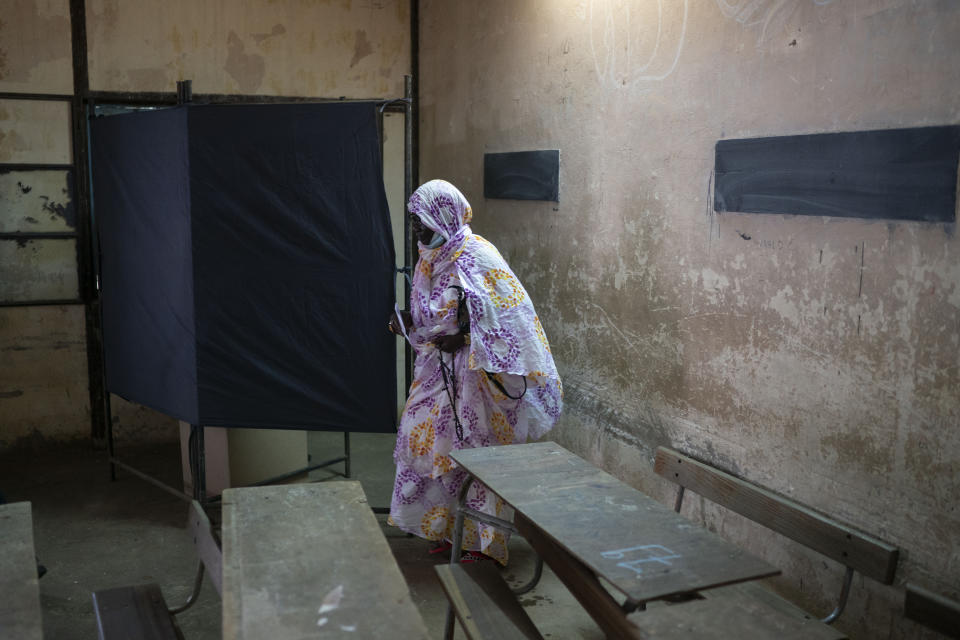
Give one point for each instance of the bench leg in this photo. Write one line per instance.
(197, 583)
(455, 550)
(844, 594)
(537, 572)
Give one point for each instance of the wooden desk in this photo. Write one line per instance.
(310, 560)
(20, 602)
(586, 524)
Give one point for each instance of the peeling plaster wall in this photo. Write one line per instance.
(35, 50)
(356, 49)
(43, 370)
(326, 48)
(43, 377)
(816, 356)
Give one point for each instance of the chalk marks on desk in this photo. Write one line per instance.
(647, 552)
(331, 602)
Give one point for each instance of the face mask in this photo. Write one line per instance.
(436, 241)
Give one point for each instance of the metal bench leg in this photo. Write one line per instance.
(537, 572)
(455, 549)
(197, 583)
(844, 594)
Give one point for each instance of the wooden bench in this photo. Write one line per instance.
(139, 612)
(730, 611)
(932, 610)
(614, 547)
(484, 603)
(311, 561)
(19, 592)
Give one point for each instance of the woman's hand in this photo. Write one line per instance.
(450, 344)
(405, 318)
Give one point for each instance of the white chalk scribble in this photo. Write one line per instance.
(770, 16)
(624, 54)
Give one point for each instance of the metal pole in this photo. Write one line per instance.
(198, 465)
(100, 419)
(184, 91)
(150, 479)
(201, 468)
(408, 175)
(679, 501)
(110, 450)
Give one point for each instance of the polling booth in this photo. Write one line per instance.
(247, 265)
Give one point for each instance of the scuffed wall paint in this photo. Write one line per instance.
(816, 356)
(357, 49)
(35, 131)
(43, 379)
(36, 201)
(43, 371)
(35, 50)
(38, 270)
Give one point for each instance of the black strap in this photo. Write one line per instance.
(502, 389)
(450, 386)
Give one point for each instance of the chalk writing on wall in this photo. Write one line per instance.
(768, 16)
(631, 47)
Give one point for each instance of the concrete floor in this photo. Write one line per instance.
(92, 534)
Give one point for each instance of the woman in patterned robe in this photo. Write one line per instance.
(483, 374)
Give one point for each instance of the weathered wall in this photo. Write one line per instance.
(358, 49)
(817, 356)
(326, 48)
(43, 371)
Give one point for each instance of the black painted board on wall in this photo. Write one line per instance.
(248, 265)
(522, 175)
(895, 174)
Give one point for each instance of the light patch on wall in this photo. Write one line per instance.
(714, 284)
(782, 304)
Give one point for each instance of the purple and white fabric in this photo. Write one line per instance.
(508, 343)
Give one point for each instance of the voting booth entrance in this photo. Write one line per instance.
(247, 264)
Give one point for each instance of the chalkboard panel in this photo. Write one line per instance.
(898, 174)
(522, 175)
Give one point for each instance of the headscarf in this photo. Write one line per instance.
(441, 207)
(507, 336)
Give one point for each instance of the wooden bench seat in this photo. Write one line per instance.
(20, 615)
(311, 561)
(139, 612)
(735, 610)
(136, 612)
(932, 610)
(484, 604)
(745, 610)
